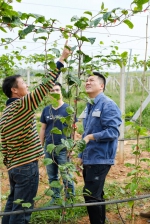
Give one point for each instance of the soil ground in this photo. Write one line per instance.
(117, 173)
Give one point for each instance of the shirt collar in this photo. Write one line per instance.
(98, 97)
(10, 100)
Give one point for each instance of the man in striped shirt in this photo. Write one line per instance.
(21, 146)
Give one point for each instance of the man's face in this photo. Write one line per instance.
(94, 86)
(21, 90)
(57, 89)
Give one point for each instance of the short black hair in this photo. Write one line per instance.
(58, 84)
(101, 77)
(8, 83)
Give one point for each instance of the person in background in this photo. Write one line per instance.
(101, 122)
(49, 120)
(21, 146)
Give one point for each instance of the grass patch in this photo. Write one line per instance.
(56, 216)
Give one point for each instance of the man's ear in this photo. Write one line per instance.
(102, 85)
(14, 90)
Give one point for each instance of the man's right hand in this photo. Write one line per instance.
(65, 54)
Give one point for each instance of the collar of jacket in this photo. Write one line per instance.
(98, 97)
(10, 100)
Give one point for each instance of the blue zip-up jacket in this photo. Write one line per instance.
(103, 121)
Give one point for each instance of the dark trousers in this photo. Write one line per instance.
(94, 179)
(23, 185)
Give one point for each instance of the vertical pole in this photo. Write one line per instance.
(28, 77)
(126, 84)
(122, 108)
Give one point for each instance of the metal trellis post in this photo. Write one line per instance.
(122, 108)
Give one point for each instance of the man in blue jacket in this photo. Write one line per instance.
(101, 121)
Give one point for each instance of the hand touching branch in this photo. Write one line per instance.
(66, 53)
(88, 138)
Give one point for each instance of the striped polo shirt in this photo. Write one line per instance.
(19, 136)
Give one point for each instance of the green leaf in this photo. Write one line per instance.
(55, 184)
(69, 120)
(106, 16)
(86, 58)
(16, 21)
(38, 74)
(124, 54)
(73, 48)
(140, 2)
(52, 65)
(1, 28)
(36, 16)
(82, 23)
(73, 80)
(56, 51)
(70, 110)
(102, 6)
(55, 130)
(130, 203)
(101, 42)
(41, 30)
(67, 131)
(55, 96)
(74, 18)
(129, 23)
(133, 187)
(18, 201)
(88, 12)
(68, 143)
(26, 205)
(92, 40)
(50, 148)
(54, 101)
(37, 198)
(49, 192)
(23, 33)
(128, 123)
(6, 19)
(69, 26)
(83, 38)
(18, 0)
(125, 12)
(71, 62)
(42, 37)
(35, 39)
(62, 119)
(47, 161)
(81, 144)
(59, 148)
(117, 61)
(96, 21)
(41, 19)
(63, 203)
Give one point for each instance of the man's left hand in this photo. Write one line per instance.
(88, 138)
